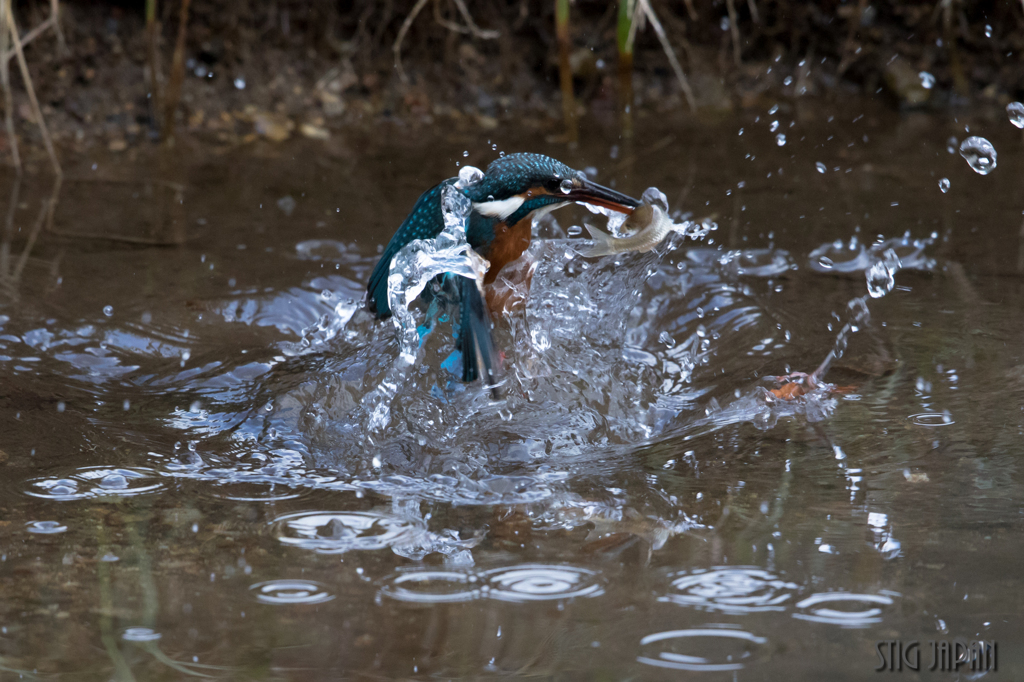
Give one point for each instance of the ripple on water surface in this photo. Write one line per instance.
(523, 583)
(94, 482)
(730, 589)
(715, 648)
(338, 532)
(931, 419)
(843, 608)
(45, 527)
(291, 592)
(432, 587)
(140, 634)
(540, 582)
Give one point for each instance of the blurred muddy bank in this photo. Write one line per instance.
(122, 74)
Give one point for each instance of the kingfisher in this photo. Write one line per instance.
(513, 191)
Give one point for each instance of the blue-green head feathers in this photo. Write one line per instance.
(514, 174)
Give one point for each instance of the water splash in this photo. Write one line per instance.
(881, 275)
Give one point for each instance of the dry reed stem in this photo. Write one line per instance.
(670, 53)
(397, 46)
(37, 112)
(474, 30)
(565, 71)
(45, 216)
(5, 83)
(470, 28)
(849, 56)
(734, 31)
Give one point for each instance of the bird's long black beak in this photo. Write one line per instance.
(599, 195)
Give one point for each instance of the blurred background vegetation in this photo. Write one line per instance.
(126, 72)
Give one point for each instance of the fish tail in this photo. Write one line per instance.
(603, 243)
(479, 359)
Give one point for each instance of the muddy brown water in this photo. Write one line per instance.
(192, 485)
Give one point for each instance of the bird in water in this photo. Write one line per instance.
(514, 190)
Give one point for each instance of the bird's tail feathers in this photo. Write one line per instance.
(479, 358)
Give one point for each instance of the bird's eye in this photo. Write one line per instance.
(566, 186)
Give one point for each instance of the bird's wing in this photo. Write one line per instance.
(425, 221)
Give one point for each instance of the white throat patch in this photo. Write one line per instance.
(499, 208)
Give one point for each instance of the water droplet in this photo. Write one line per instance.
(291, 592)
(820, 166)
(239, 84)
(108, 310)
(566, 186)
(774, 126)
(788, 80)
(951, 145)
(1015, 110)
(574, 230)
(979, 154)
(465, 153)
(780, 140)
(287, 204)
(988, 31)
(667, 339)
(773, 110)
(927, 80)
(944, 185)
(724, 23)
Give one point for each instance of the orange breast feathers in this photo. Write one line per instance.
(508, 245)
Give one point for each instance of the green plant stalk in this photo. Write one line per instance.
(177, 74)
(153, 57)
(565, 69)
